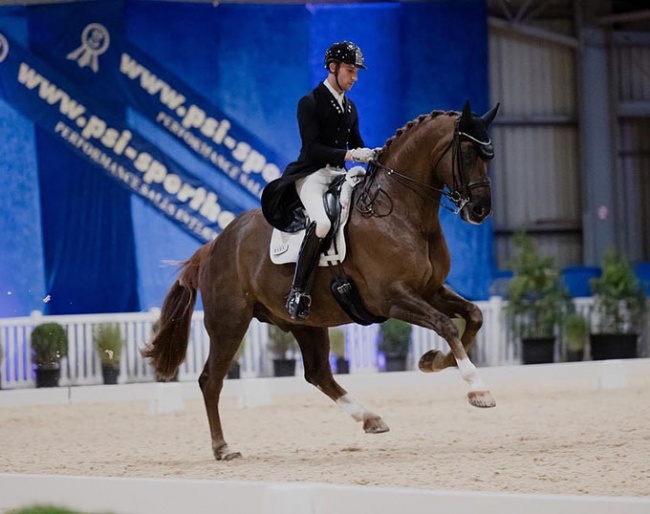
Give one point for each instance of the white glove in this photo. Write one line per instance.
(362, 154)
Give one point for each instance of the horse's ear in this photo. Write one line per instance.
(467, 111)
(465, 121)
(488, 117)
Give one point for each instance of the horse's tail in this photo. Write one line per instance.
(168, 346)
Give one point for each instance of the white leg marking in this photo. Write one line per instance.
(470, 375)
(355, 409)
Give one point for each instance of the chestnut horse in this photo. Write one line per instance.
(397, 256)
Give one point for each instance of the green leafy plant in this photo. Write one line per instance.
(280, 342)
(620, 303)
(109, 344)
(337, 342)
(537, 299)
(395, 340)
(576, 331)
(49, 343)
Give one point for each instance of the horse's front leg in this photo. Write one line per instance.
(453, 305)
(437, 317)
(315, 347)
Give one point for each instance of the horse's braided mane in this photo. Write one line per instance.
(414, 123)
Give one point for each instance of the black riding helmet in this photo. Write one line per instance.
(346, 52)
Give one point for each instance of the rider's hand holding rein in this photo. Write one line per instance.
(363, 155)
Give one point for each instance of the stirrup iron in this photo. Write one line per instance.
(298, 304)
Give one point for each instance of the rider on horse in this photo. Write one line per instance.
(329, 130)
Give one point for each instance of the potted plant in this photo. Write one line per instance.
(49, 342)
(576, 334)
(337, 348)
(109, 344)
(394, 343)
(279, 344)
(619, 310)
(537, 301)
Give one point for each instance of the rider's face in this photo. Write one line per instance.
(348, 75)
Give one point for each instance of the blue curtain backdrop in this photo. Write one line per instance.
(22, 279)
(451, 70)
(87, 235)
(100, 248)
(86, 218)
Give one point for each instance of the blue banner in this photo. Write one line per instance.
(87, 44)
(193, 121)
(57, 105)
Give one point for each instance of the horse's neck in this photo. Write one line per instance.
(416, 196)
(416, 153)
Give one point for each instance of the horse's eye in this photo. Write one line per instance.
(469, 154)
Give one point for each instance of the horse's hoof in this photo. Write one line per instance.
(225, 453)
(432, 361)
(231, 456)
(483, 399)
(375, 425)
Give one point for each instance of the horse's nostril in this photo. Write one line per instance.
(479, 210)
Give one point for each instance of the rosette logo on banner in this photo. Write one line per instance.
(94, 42)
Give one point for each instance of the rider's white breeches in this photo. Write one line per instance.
(311, 191)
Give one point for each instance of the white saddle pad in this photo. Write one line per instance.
(285, 246)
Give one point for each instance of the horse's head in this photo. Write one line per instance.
(443, 153)
(466, 173)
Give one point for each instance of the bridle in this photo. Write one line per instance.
(461, 193)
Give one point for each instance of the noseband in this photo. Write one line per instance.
(462, 188)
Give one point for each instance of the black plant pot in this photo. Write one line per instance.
(395, 363)
(342, 366)
(47, 377)
(110, 374)
(234, 370)
(613, 346)
(284, 367)
(537, 350)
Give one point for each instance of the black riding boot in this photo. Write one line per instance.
(299, 300)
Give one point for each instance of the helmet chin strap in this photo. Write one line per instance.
(336, 76)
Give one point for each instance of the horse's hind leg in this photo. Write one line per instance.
(225, 337)
(315, 347)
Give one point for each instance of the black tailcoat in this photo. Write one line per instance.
(326, 131)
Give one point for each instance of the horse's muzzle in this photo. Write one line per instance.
(477, 210)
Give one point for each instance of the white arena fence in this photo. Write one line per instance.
(494, 347)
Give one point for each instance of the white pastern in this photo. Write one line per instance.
(470, 375)
(355, 409)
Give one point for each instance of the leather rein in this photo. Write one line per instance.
(461, 192)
